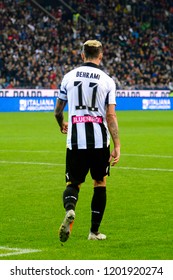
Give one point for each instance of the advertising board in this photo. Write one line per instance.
(46, 104)
(54, 93)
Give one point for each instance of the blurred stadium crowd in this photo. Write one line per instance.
(38, 45)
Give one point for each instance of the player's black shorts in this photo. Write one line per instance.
(80, 162)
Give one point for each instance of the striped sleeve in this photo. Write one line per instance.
(63, 92)
(111, 96)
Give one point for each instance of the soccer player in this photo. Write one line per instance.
(90, 94)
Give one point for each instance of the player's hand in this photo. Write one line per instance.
(115, 156)
(64, 128)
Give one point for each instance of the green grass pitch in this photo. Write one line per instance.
(138, 220)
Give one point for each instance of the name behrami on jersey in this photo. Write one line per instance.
(88, 90)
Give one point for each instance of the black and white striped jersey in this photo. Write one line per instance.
(88, 90)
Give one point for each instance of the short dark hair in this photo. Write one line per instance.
(92, 48)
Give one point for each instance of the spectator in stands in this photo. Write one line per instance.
(137, 35)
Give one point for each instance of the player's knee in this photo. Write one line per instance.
(74, 186)
(100, 183)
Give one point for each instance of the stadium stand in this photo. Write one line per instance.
(38, 44)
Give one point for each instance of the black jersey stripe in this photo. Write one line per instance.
(74, 137)
(89, 130)
(104, 135)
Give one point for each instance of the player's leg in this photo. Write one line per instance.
(75, 174)
(98, 205)
(76, 170)
(99, 171)
(70, 198)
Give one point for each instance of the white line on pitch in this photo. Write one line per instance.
(145, 169)
(62, 164)
(31, 163)
(18, 251)
(145, 155)
(48, 151)
(32, 151)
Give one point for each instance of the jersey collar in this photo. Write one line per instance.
(91, 64)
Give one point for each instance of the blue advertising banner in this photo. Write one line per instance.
(17, 104)
(144, 103)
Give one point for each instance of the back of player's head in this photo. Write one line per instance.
(92, 49)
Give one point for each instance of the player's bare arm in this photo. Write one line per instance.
(60, 104)
(113, 129)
